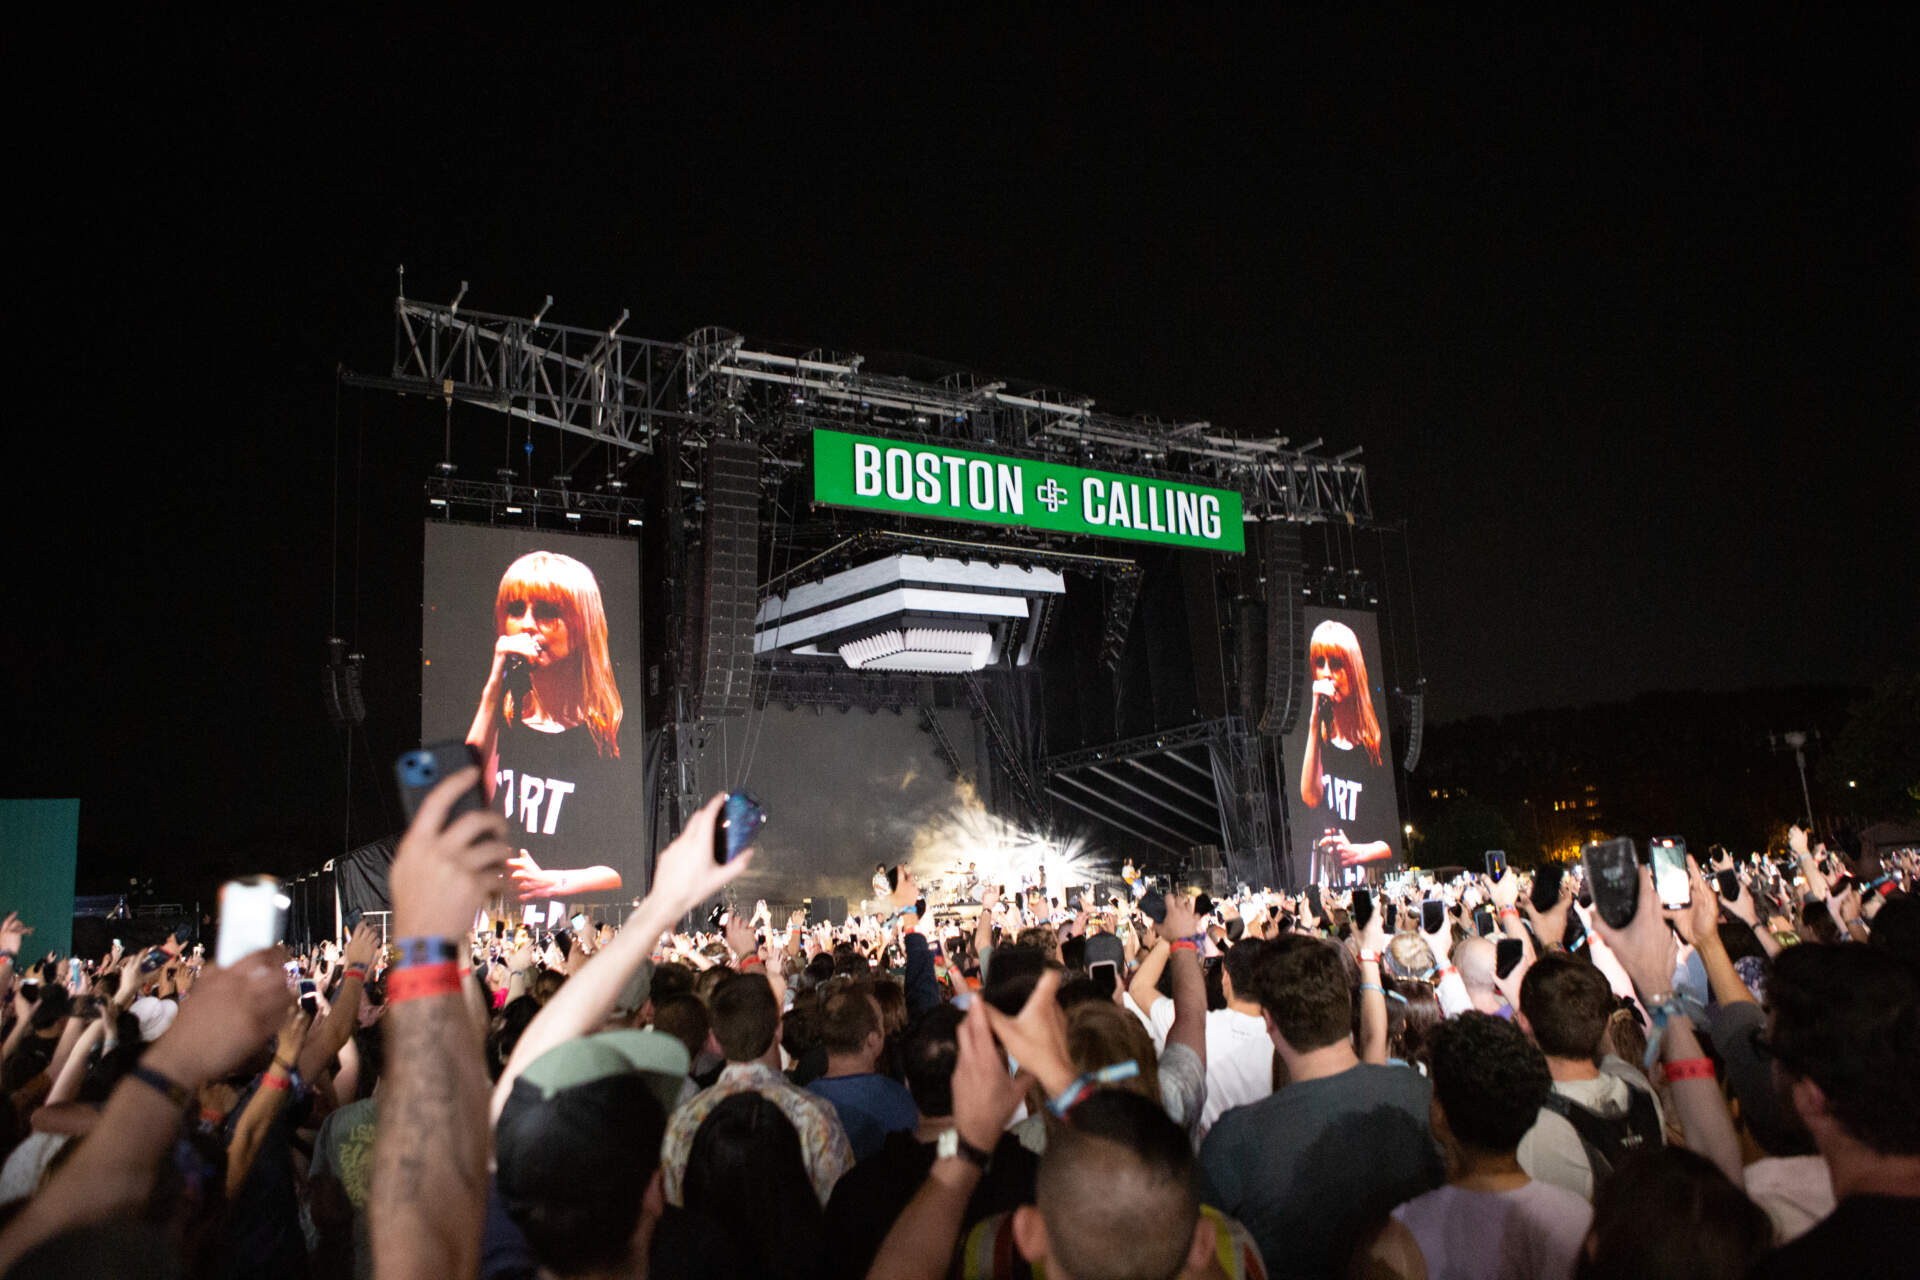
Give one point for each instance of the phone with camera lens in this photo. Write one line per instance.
(741, 818)
(1614, 875)
(421, 771)
(1483, 921)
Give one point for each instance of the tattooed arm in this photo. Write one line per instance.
(430, 1159)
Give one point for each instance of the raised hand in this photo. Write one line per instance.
(1037, 1038)
(444, 871)
(12, 933)
(362, 945)
(740, 936)
(1182, 921)
(233, 1011)
(1646, 948)
(984, 1093)
(687, 874)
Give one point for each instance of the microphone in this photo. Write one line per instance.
(518, 673)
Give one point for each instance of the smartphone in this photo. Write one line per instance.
(1546, 886)
(1496, 863)
(1393, 915)
(579, 922)
(1361, 909)
(253, 914)
(1614, 875)
(1105, 975)
(1433, 915)
(740, 818)
(1669, 856)
(1729, 884)
(308, 1000)
(1483, 921)
(29, 990)
(1313, 900)
(421, 771)
(1507, 955)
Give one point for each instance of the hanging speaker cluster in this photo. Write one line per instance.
(1286, 620)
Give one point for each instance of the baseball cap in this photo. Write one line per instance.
(610, 1092)
(154, 1015)
(1105, 948)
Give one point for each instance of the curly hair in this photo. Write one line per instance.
(1489, 1079)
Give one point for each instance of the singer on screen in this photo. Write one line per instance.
(1342, 778)
(548, 724)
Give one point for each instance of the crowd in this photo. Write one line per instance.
(1473, 1077)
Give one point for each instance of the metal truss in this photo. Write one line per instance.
(1004, 748)
(497, 497)
(620, 390)
(1207, 731)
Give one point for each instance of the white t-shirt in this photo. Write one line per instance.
(1530, 1233)
(1239, 1058)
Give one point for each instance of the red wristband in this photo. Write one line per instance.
(1509, 911)
(424, 980)
(750, 961)
(355, 971)
(271, 1081)
(1444, 970)
(1690, 1069)
(1184, 944)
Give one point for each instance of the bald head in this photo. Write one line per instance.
(1474, 957)
(1120, 1163)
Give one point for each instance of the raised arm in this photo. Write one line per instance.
(112, 1170)
(344, 1013)
(1189, 984)
(430, 1158)
(685, 877)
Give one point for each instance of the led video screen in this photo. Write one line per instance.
(530, 652)
(1344, 814)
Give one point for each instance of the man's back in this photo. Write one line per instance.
(823, 1143)
(1533, 1232)
(870, 1106)
(1310, 1167)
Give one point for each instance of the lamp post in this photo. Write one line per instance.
(1798, 741)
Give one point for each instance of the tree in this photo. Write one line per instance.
(1873, 766)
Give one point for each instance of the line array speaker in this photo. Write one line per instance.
(1416, 724)
(1286, 619)
(730, 578)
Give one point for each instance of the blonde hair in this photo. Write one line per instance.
(592, 699)
(1102, 1034)
(1353, 719)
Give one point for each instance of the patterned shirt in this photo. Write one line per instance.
(823, 1143)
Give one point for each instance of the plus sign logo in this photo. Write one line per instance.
(1051, 495)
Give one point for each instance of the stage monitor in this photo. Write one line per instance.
(1339, 757)
(531, 652)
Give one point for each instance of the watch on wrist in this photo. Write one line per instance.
(951, 1144)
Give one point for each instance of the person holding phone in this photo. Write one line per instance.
(1342, 776)
(547, 729)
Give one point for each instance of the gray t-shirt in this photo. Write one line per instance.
(1533, 1232)
(1311, 1168)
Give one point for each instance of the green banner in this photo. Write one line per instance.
(939, 483)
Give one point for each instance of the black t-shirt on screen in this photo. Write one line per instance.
(564, 802)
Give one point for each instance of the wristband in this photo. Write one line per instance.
(431, 949)
(177, 1094)
(9, 956)
(211, 1115)
(355, 971)
(1076, 1093)
(416, 982)
(1509, 911)
(1690, 1069)
(1369, 957)
(1440, 975)
(1184, 944)
(1373, 986)
(271, 1081)
(750, 961)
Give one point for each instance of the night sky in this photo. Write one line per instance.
(1625, 316)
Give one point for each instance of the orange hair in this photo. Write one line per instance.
(592, 699)
(1353, 720)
